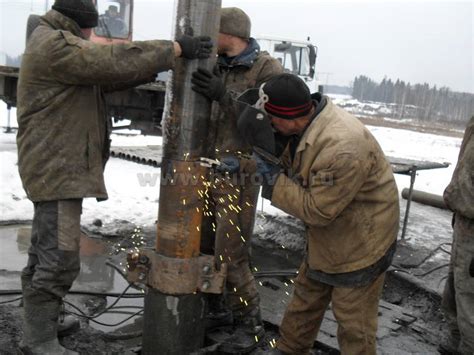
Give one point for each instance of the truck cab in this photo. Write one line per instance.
(115, 21)
(297, 57)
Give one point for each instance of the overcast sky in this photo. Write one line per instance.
(416, 41)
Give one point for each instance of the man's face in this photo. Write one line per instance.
(223, 43)
(285, 127)
(86, 32)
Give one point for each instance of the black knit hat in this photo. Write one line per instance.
(81, 11)
(288, 97)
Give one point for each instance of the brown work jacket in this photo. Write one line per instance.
(342, 187)
(459, 195)
(63, 135)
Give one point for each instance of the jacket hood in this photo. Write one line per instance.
(246, 58)
(58, 21)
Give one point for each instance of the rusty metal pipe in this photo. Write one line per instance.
(173, 323)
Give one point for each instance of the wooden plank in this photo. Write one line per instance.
(275, 296)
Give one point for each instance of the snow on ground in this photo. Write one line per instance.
(130, 199)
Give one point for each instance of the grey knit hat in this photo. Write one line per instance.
(81, 11)
(235, 22)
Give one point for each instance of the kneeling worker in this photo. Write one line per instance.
(336, 179)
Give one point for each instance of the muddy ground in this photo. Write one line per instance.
(278, 245)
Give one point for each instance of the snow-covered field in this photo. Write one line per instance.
(130, 200)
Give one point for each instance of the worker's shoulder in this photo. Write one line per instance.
(265, 60)
(47, 40)
(343, 131)
(265, 56)
(73, 40)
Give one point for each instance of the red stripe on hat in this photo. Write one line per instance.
(288, 111)
(284, 108)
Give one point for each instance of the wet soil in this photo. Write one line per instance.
(278, 245)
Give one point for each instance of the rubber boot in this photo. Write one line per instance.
(247, 334)
(218, 315)
(40, 323)
(67, 324)
(274, 351)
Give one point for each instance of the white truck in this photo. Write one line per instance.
(142, 107)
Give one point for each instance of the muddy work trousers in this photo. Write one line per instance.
(355, 309)
(458, 297)
(234, 206)
(53, 257)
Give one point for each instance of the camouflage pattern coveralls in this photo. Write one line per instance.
(63, 141)
(235, 197)
(458, 298)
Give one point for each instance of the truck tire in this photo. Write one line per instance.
(31, 24)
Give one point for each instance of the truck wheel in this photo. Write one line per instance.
(32, 23)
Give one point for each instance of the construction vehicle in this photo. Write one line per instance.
(141, 108)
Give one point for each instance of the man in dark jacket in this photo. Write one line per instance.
(63, 143)
(458, 297)
(240, 66)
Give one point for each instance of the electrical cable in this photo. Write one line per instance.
(82, 293)
(432, 270)
(11, 301)
(106, 324)
(103, 311)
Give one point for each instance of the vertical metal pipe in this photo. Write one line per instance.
(410, 193)
(8, 129)
(174, 324)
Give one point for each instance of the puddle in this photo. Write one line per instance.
(95, 274)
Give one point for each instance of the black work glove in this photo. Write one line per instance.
(255, 127)
(268, 168)
(208, 84)
(195, 47)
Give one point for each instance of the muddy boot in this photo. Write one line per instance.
(68, 325)
(51, 347)
(218, 314)
(247, 334)
(40, 324)
(274, 351)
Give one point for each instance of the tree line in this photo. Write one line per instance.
(421, 101)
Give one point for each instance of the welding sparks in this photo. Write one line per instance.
(243, 239)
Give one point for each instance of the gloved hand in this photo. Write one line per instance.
(255, 127)
(195, 47)
(269, 171)
(229, 165)
(208, 84)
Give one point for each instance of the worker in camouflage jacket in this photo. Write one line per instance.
(240, 66)
(336, 179)
(63, 144)
(458, 297)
